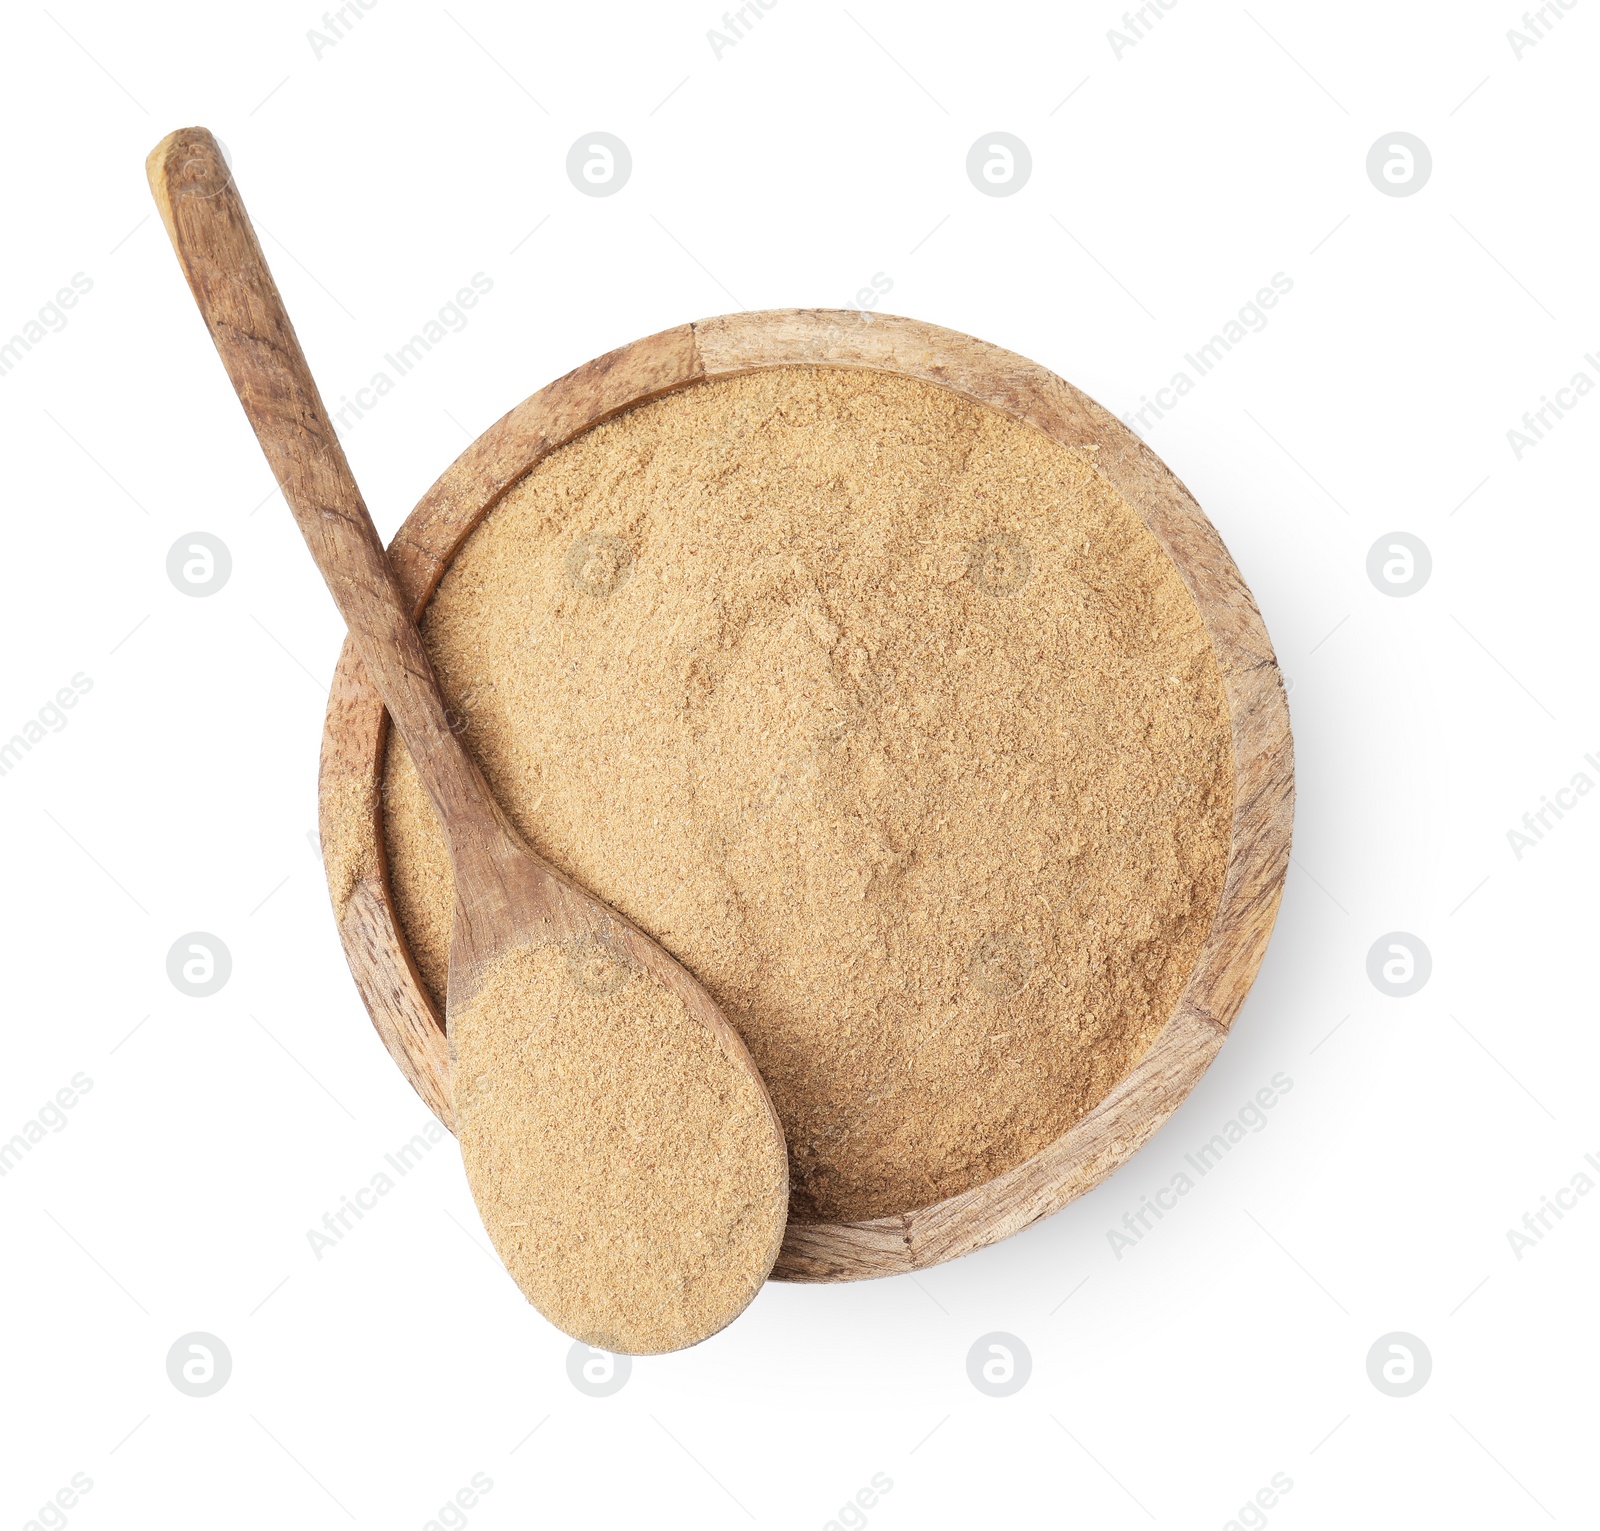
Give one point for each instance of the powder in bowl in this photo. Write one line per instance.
(882, 712)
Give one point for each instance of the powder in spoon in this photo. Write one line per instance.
(624, 1167)
(882, 712)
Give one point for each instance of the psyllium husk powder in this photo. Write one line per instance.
(644, 1225)
(883, 713)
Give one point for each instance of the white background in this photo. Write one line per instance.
(1169, 184)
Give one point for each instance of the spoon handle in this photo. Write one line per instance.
(228, 275)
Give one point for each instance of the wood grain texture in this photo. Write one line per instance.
(234, 290)
(1263, 752)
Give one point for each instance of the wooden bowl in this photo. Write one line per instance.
(356, 729)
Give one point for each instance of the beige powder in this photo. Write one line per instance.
(883, 713)
(625, 1169)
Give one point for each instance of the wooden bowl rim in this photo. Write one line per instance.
(356, 728)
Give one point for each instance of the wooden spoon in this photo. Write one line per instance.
(623, 1151)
